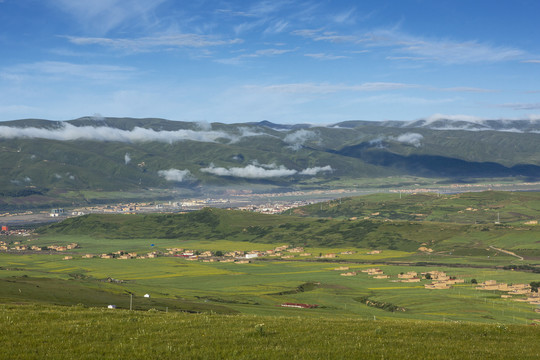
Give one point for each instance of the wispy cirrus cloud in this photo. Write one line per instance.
(521, 106)
(276, 27)
(61, 70)
(325, 88)
(155, 42)
(330, 36)
(257, 54)
(446, 51)
(532, 61)
(323, 56)
(104, 15)
(415, 48)
(468, 89)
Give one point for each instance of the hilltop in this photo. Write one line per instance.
(47, 163)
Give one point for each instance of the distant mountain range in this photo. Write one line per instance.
(42, 159)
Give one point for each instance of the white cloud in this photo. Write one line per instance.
(204, 125)
(69, 132)
(298, 138)
(175, 175)
(263, 171)
(467, 118)
(250, 172)
(248, 132)
(127, 158)
(315, 170)
(409, 138)
(532, 61)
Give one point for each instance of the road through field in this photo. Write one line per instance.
(507, 252)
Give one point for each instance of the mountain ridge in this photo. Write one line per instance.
(48, 157)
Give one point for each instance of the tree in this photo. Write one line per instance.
(218, 253)
(473, 281)
(428, 276)
(534, 286)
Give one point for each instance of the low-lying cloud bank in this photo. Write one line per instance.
(315, 170)
(297, 139)
(263, 171)
(69, 132)
(176, 175)
(410, 138)
(529, 124)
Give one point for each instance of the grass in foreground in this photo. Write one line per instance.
(46, 332)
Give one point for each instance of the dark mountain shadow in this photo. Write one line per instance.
(435, 165)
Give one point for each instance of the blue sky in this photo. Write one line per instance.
(282, 61)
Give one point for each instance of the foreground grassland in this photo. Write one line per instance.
(45, 332)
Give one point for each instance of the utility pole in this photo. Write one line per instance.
(130, 301)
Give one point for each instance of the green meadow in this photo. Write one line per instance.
(258, 288)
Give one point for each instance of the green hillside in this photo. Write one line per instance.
(485, 207)
(216, 224)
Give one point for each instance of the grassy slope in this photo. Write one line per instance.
(30, 332)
